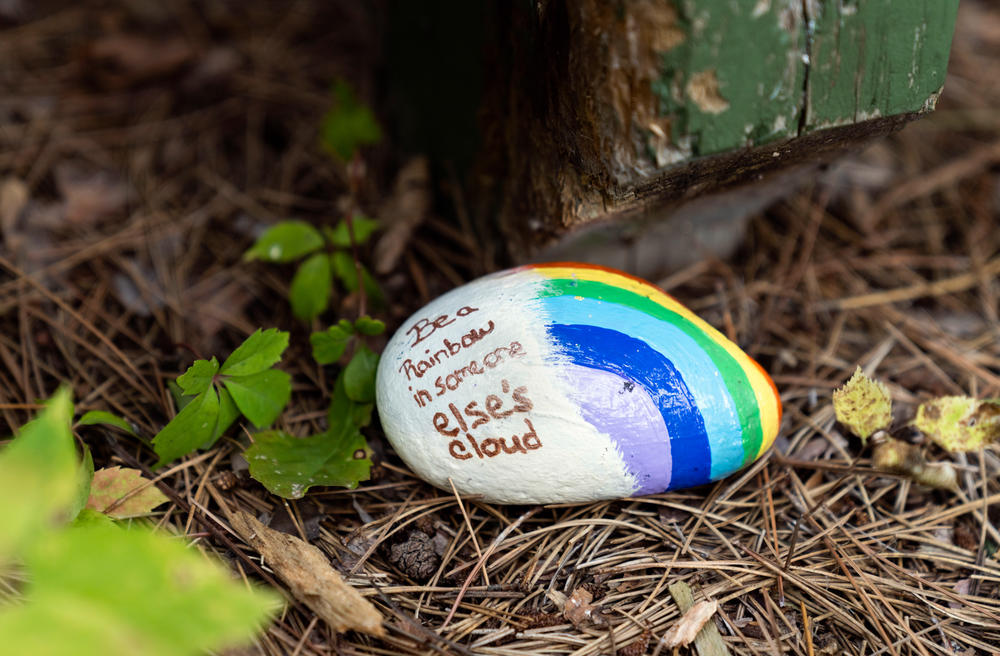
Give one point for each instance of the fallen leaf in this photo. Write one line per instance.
(684, 632)
(114, 492)
(310, 578)
(405, 210)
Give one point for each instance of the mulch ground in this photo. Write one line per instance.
(143, 146)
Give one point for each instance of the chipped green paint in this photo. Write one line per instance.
(753, 72)
(753, 50)
(877, 58)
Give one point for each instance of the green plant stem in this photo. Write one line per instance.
(355, 171)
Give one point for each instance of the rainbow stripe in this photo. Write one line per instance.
(720, 410)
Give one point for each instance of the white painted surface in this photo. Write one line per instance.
(574, 462)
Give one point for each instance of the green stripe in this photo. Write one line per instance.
(733, 375)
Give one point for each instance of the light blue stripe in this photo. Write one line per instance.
(722, 423)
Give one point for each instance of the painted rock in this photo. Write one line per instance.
(567, 383)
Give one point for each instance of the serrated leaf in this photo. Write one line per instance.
(343, 268)
(94, 417)
(863, 405)
(328, 345)
(85, 477)
(309, 292)
(363, 230)
(368, 326)
(258, 352)
(261, 397)
(189, 429)
(112, 485)
(198, 376)
(288, 466)
(359, 375)
(38, 476)
(228, 413)
(96, 590)
(959, 423)
(348, 125)
(284, 242)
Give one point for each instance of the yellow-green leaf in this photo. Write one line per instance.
(959, 423)
(863, 405)
(39, 476)
(96, 589)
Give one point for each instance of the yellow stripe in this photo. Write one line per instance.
(763, 388)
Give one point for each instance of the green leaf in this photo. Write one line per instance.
(363, 230)
(863, 405)
(343, 268)
(198, 377)
(362, 413)
(90, 516)
(368, 326)
(258, 352)
(346, 326)
(261, 397)
(288, 466)
(38, 477)
(310, 289)
(178, 395)
(189, 429)
(343, 411)
(85, 478)
(328, 345)
(372, 289)
(228, 412)
(112, 485)
(97, 590)
(959, 423)
(102, 417)
(284, 242)
(348, 125)
(359, 375)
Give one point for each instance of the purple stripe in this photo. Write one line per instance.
(623, 411)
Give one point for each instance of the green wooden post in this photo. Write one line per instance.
(615, 109)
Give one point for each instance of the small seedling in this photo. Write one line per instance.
(287, 465)
(215, 396)
(326, 260)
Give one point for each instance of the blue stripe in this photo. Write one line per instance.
(722, 420)
(633, 359)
